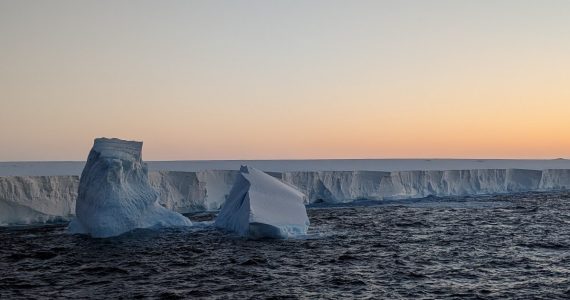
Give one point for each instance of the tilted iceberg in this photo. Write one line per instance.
(115, 195)
(260, 205)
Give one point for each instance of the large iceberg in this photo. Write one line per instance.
(115, 195)
(260, 206)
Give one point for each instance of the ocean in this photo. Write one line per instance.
(481, 247)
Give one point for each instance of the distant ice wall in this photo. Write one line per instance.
(337, 186)
(555, 179)
(36, 199)
(193, 191)
(417, 184)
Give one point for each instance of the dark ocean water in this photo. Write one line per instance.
(463, 248)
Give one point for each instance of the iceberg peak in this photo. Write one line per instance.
(113, 147)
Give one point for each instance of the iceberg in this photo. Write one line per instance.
(261, 206)
(115, 195)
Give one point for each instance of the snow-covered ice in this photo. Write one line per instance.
(260, 205)
(192, 191)
(37, 199)
(115, 195)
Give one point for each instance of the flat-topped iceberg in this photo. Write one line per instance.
(261, 206)
(115, 195)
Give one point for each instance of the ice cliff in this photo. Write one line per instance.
(337, 186)
(417, 184)
(193, 191)
(260, 205)
(35, 199)
(115, 195)
(555, 179)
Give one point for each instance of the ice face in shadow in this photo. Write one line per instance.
(193, 191)
(261, 206)
(115, 195)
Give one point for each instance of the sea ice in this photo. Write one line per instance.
(115, 195)
(260, 206)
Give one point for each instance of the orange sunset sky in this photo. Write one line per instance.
(286, 79)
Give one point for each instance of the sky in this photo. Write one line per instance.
(286, 79)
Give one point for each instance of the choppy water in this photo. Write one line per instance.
(479, 247)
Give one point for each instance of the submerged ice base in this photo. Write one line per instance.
(115, 195)
(261, 206)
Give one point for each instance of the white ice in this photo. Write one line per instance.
(115, 195)
(260, 205)
(37, 199)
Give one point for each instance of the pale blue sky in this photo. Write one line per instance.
(286, 79)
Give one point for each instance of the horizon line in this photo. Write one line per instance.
(294, 159)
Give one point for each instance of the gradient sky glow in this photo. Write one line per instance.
(286, 79)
